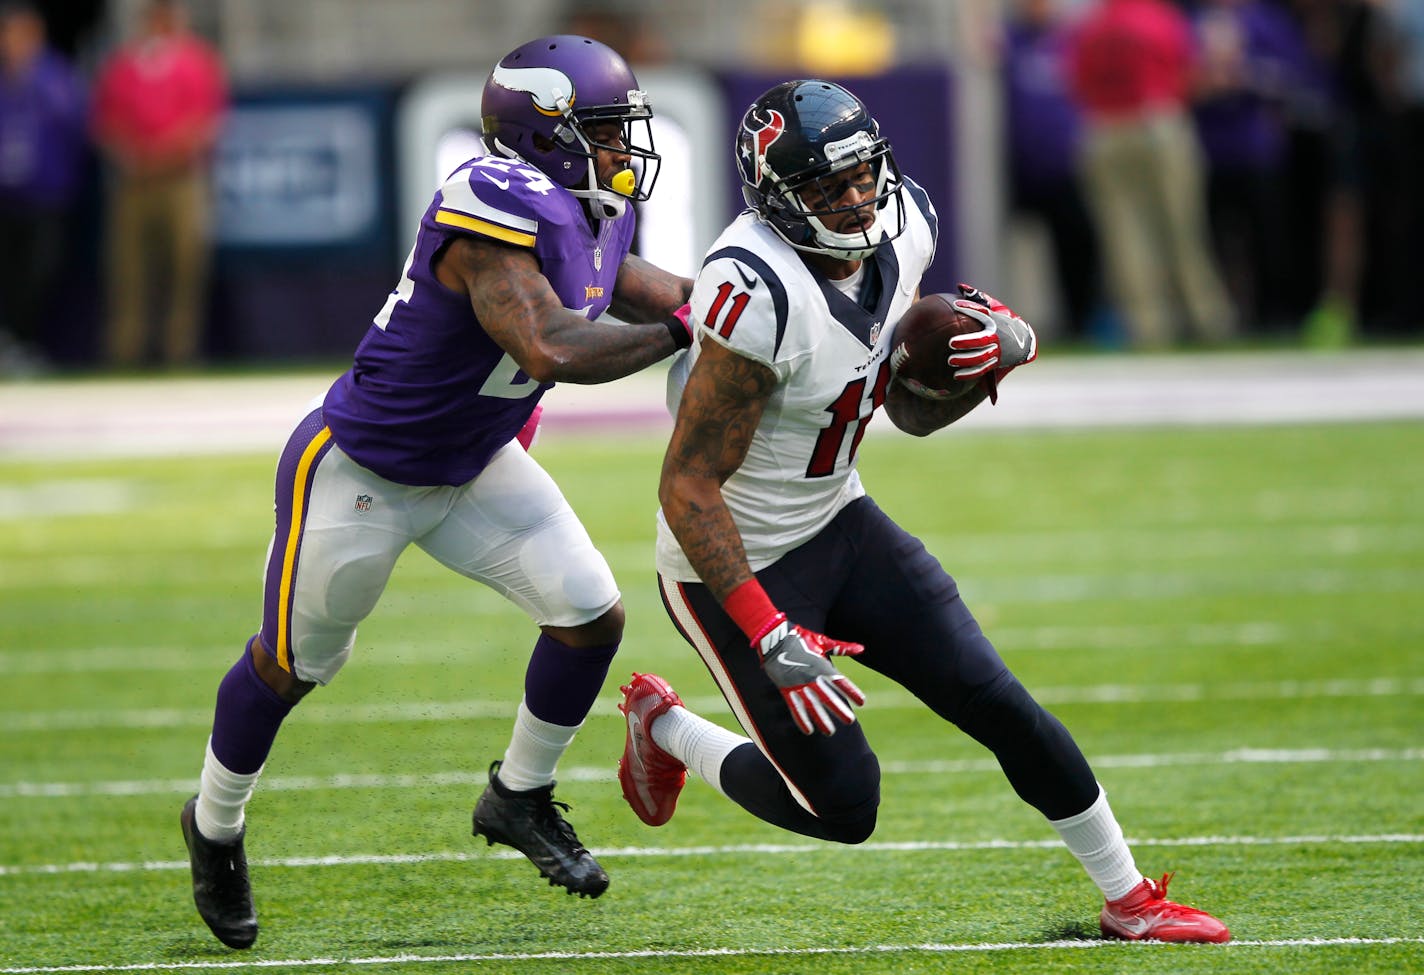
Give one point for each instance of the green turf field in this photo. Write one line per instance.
(1230, 621)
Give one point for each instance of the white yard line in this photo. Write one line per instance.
(593, 956)
(1136, 637)
(595, 773)
(405, 712)
(760, 850)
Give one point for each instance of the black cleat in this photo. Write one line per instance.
(530, 822)
(220, 885)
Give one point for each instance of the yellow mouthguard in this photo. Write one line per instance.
(624, 182)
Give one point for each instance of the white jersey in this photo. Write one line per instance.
(830, 355)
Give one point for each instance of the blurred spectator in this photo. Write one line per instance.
(1346, 37)
(1254, 61)
(1407, 17)
(42, 150)
(158, 105)
(1043, 127)
(622, 27)
(1130, 70)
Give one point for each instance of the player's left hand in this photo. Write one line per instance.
(1004, 343)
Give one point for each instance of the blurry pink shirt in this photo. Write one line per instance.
(1131, 57)
(155, 91)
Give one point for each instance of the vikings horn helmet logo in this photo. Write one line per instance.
(545, 86)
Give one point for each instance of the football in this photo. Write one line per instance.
(919, 347)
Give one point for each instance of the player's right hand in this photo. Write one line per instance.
(815, 692)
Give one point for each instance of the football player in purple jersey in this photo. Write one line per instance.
(423, 441)
(767, 540)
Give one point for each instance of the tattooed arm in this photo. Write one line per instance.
(647, 293)
(921, 417)
(721, 406)
(521, 312)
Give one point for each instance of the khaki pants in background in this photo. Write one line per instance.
(1145, 186)
(158, 256)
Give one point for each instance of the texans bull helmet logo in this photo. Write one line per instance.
(757, 142)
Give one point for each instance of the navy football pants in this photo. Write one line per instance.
(864, 578)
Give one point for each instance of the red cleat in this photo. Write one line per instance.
(1145, 912)
(651, 778)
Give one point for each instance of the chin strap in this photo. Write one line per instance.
(607, 204)
(846, 247)
(602, 204)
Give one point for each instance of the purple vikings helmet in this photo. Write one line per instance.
(793, 140)
(541, 102)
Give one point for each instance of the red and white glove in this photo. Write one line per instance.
(1004, 343)
(530, 430)
(795, 660)
(814, 691)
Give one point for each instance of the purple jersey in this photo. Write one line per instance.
(431, 396)
(42, 137)
(1042, 120)
(1245, 128)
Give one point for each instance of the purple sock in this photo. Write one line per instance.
(247, 717)
(562, 682)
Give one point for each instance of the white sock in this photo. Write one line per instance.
(1095, 838)
(534, 751)
(696, 742)
(222, 799)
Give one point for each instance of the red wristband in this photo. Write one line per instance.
(751, 609)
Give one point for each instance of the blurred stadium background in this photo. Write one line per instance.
(346, 112)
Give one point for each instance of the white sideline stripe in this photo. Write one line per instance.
(927, 948)
(745, 849)
(594, 773)
(887, 699)
(155, 416)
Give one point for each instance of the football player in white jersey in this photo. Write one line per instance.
(767, 540)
